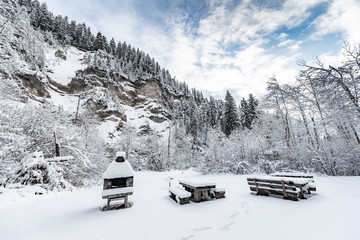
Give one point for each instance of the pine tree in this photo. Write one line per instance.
(248, 110)
(72, 31)
(88, 40)
(213, 114)
(35, 13)
(244, 112)
(79, 32)
(252, 110)
(105, 44)
(98, 44)
(45, 21)
(118, 52)
(232, 120)
(112, 47)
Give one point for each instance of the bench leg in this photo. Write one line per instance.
(126, 201)
(301, 194)
(108, 204)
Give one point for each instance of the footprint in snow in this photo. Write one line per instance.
(188, 237)
(248, 210)
(227, 226)
(234, 215)
(202, 229)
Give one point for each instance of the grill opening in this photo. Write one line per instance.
(118, 182)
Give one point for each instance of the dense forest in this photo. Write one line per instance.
(310, 124)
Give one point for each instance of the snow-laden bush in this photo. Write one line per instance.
(35, 170)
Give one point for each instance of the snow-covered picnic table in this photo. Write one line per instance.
(289, 187)
(202, 191)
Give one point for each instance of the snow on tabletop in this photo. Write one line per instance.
(197, 183)
(114, 191)
(118, 170)
(179, 191)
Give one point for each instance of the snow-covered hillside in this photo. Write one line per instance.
(63, 63)
(331, 213)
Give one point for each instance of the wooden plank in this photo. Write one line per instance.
(267, 192)
(258, 184)
(120, 195)
(278, 181)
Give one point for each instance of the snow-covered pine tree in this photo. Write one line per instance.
(98, 44)
(253, 104)
(232, 120)
(248, 109)
(243, 112)
(112, 47)
(213, 113)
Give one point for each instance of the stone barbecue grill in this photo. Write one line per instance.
(118, 182)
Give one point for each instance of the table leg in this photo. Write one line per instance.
(197, 196)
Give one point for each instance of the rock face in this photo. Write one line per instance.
(60, 54)
(110, 95)
(151, 89)
(34, 85)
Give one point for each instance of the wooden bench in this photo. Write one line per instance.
(115, 194)
(311, 185)
(180, 195)
(217, 193)
(291, 189)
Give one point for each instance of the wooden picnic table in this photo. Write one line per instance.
(290, 187)
(200, 191)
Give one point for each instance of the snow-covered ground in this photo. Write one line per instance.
(333, 212)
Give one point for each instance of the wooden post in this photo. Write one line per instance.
(256, 185)
(57, 147)
(284, 189)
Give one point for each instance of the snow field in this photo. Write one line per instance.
(330, 213)
(64, 70)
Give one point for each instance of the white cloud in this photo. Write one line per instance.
(341, 17)
(212, 68)
(285, 43)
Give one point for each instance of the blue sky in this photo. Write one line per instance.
(218, 45)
